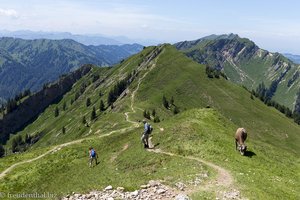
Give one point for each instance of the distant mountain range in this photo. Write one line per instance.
(86, 39)
(245, 63)
(194, 118)
(292, 57)
(28, 64)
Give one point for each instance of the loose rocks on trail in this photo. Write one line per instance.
(152, 191)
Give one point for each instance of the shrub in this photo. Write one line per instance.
(88, 102)
(156, 119)
(56, 112)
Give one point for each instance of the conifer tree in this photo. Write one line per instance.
(64, 106)
(27, 139)
(102, 106)
(56, 112)
(88, 102)
(165, 102)
(156, 119)
(176, 110)
(172, 100)
(2, 151)
(83, 120)
(153, 112)
(93, 114)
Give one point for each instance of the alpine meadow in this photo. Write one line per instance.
(144, 111)
(186, 143)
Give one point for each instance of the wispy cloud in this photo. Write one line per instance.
(258, 20)
(9, 13)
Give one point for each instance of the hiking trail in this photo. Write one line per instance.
(222, 186)
(60, 146)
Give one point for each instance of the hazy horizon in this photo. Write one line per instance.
(274, 26)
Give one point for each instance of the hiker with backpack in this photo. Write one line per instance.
(147, 131)
(93, 156)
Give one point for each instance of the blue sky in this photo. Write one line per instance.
(273, 25)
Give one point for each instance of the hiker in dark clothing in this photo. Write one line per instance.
(146, 133)
(93, 156)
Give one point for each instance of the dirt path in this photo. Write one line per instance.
(59, 147)
(134, 123)
(221, 186)
(55, 149)
(223, 178)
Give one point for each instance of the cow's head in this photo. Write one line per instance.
(242, 149)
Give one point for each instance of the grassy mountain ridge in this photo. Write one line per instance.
(207, 133)
(28, 64)
(245, 63)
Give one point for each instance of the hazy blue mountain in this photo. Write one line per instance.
(87, 39)
(28, 64)
(292, 57)
(84, 39)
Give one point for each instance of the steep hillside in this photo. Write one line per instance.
(193, 146)
(245, 63)
(31, 106)
(28, 64)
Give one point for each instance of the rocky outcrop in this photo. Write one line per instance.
(215, 51)
(244, 63)
(152, 191)
(31, 107)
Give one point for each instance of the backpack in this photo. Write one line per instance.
(93, 153)
(149, 129)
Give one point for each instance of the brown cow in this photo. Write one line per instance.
(240, 137)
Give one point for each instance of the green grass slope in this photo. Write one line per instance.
(245, 63)
(269, 171)
(185, 80)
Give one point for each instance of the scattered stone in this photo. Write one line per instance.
(120, 189)
(153, 183)
(108, 188)
(160, 191)
(181, 186)
(135, 193)
(144, 186)
(154, 190)
(234, 194)
(77, 195)
(182, 197)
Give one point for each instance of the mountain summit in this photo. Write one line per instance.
(245, 63)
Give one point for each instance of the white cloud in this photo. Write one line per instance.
(9, 13)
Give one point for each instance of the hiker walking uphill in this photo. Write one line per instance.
(147, 131)
(93, 156)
